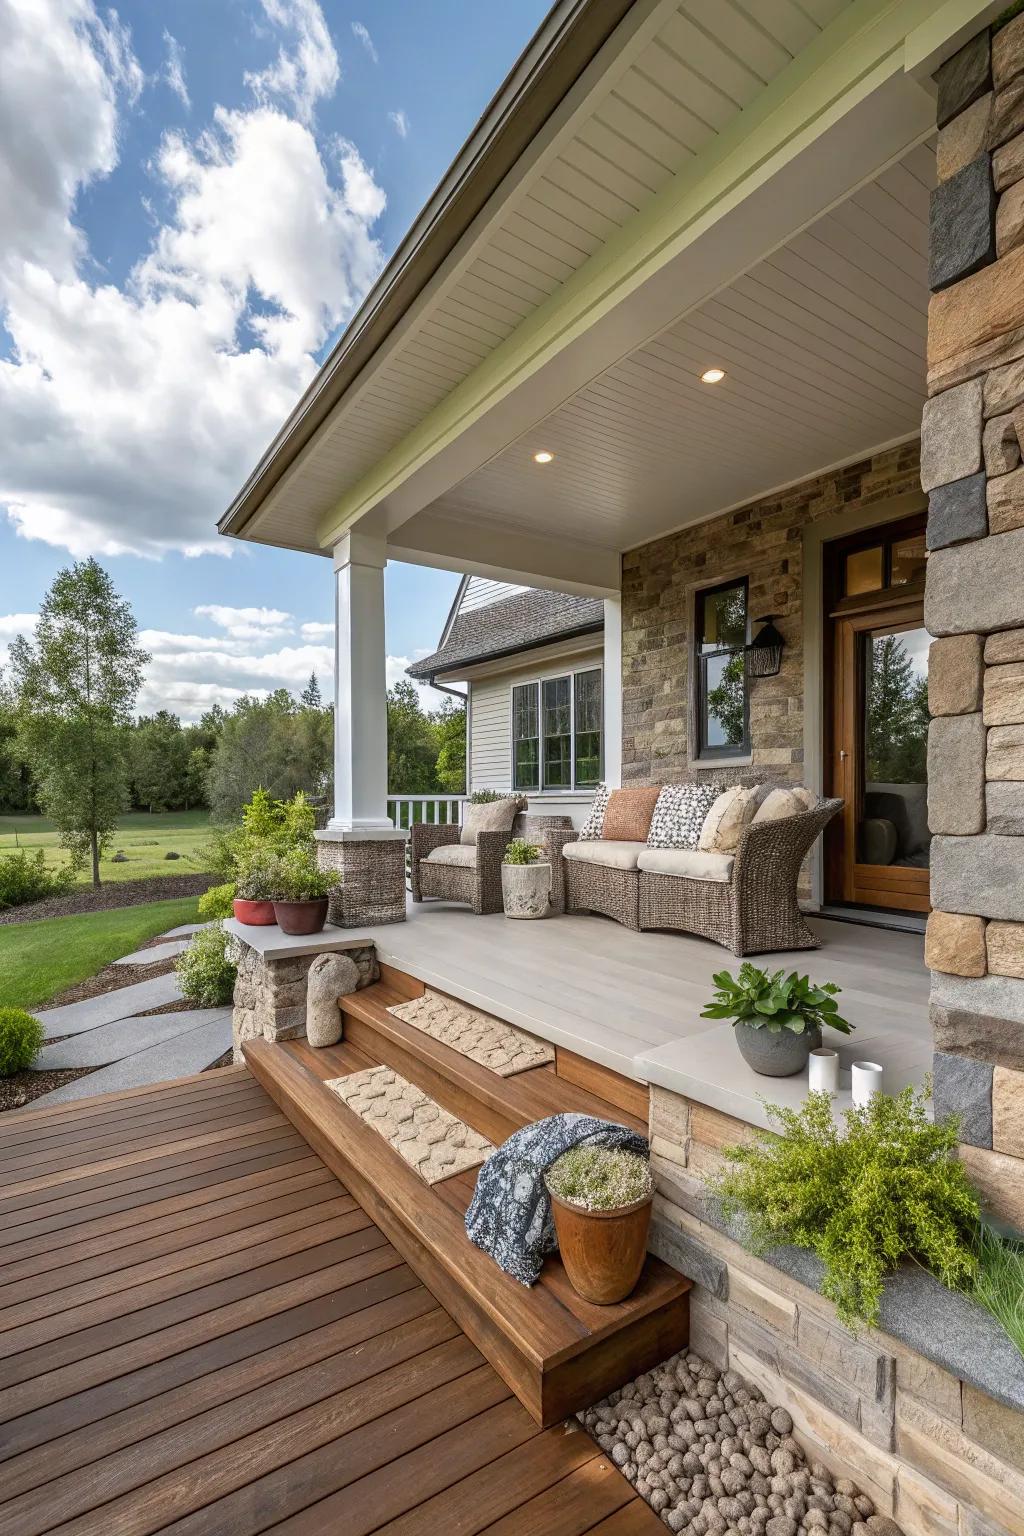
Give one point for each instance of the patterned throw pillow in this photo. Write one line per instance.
(679, 815)
(594, 825)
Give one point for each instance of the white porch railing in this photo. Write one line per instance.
(404, 810)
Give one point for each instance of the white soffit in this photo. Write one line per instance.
(648, 118)
(823, 344)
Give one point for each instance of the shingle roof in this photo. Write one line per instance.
(515, 624)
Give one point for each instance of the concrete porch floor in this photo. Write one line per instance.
(632, 1001)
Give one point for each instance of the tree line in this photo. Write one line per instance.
(72, 748)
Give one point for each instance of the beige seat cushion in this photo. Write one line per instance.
(491, 816)
(462, 855)
(610, 855)
(728, 819)
(779, 803)
(688, 863)
(627, 817)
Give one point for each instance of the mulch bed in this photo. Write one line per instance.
(118, 893)
(23, 1087)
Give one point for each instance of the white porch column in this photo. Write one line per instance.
(613, 691)
(360, 687)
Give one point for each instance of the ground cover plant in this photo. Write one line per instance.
(137, 849)
(40, 959)
(999, 1284)
(21, 1038)
(886, 1187)
(600, 1178)
(206, 974)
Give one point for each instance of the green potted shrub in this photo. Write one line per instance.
(253, 902)
(525, 881)
(300, 892)
(778, 1018)
(601, 1203)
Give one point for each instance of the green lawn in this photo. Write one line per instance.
(38, 960)
(144, 839)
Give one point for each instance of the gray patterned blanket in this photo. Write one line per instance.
(509, 1216)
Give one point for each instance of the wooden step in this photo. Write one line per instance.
(495, 1106)
(556, 1352)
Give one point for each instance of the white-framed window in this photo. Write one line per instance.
(557, 731)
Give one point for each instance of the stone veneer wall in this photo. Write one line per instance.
(270, 994)
(972, 431)
(936, 1453)
(762, 541)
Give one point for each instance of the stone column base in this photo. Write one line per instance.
(372, 888)
(270, 994)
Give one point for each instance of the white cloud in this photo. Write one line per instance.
(316, 631)
(174, 69)
(188, 673)
(400, 123)
(305, 71)
(248, 623)
(130, 415)
(362, 34)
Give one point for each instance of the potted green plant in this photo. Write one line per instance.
(301, 892)
(253, 902)
(601, 1203)
(778, 1018)
(525, 880)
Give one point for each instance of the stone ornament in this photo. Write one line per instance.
(330, 977)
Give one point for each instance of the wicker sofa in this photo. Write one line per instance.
(445, 868)
(746, 900)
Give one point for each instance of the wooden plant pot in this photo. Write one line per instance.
(603, 1251)
(297, 917)
(254, 914)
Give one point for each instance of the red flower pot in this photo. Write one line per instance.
(301, 916)
(254, 914)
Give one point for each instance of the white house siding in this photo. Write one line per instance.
(482, 593)
(491, 733)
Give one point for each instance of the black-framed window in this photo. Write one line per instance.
(557, 732)
(723, 711)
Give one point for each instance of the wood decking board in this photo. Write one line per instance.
(192, 1346)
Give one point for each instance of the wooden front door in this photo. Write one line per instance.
(878, 852)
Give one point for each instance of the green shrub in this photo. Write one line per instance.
(21, 1036)
(600, 1178)
(256, 875)
(888, 1188)
(775, 1002)
(215, 903)
(999, 1283)
(487, 796)
(519, 851)
(25, 877)
(206, 974)
(294, 876)
(267, 825)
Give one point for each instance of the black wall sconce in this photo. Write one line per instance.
(764, 653)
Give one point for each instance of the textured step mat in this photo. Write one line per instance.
(488, 1041)
(431, 1140)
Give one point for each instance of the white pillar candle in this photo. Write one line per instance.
(823, 1070)
(866, 1081)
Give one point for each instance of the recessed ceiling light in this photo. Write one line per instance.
(543, 457)
(712, 376)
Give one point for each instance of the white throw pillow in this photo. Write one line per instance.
(593, 827)
(490, 816)
(778, 803)
(728, 819)
(680, 814)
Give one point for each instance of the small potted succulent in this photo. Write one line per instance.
(253, 902)
(601, 1203)
(525, 881)
(301, 892)
(778, 1018)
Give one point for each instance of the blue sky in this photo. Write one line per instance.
(194, 196)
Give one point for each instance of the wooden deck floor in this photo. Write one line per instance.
(202, 1332)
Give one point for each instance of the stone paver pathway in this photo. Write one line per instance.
(184, 931)
(72, 1018)
(125, 1037)
(156, 952)
(182, 1056)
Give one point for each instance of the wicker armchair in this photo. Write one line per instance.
(479, 884)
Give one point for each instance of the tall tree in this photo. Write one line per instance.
(450, 727)
(159, 759)
(412, 743)
(76, 682)
(310, 697)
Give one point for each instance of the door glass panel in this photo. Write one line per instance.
(893, 826)
(908, 558)
(865, 571)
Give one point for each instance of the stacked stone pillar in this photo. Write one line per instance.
(971, 467)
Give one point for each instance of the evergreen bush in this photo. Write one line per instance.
(206, 974)
(21, 1037)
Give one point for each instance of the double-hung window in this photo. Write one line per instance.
(556, 732)
(723, 714)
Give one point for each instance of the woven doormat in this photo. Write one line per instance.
(431, 1140)
(484, 1039)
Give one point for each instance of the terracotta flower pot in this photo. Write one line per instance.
(603, 1251)
(254, 914)
(301, 916)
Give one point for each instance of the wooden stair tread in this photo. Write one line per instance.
(496, 1106)
(557, 1352)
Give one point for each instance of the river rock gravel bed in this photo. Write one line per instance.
(713, 1458)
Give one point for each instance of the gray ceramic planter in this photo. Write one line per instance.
(780, 1054)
